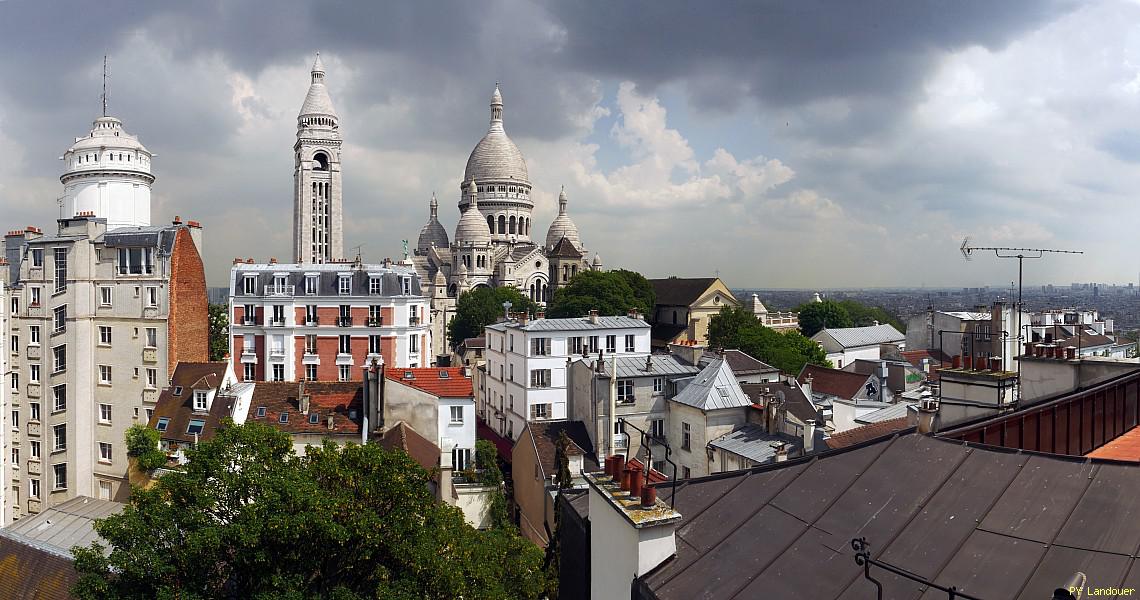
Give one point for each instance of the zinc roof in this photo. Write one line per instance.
(853, 337)
(893, 411)
(714, 388)
(664, 365)
(755, 443)
(573, 324)
(60, 527)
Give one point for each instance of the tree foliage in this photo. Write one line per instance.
(219, 331)
(487, 459)
(815, 316)
(609, 292)
(739, 329)
(481, 307)
(247, 518)
(142, 445)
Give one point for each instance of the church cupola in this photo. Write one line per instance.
(432, 234)
(562, 226)
(317, 193)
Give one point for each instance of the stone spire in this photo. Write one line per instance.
(497, 108)
(317, 101)
(562, 201)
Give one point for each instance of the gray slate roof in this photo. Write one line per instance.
(853, 337)
(573, 324)
(754, 443)
(664, 365)
(714, 388)
(57, 529)
(328, 278)
(893, 411)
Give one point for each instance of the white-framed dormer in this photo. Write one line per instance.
(344, 284)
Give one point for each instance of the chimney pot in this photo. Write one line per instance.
(618, 467)
(177, 220)
(594, 316)
(968, 362)
(956, 362)
(635, 481)
(625, 478)
(648, 496)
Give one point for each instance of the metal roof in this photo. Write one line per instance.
(755, 443)
(572, 324)
(853, 337)
(994, 523)
(714, 388)
(968, 315)
(663, 365)
(60, 527)
(893, 411)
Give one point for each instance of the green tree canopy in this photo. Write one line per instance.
(863, 315)
(219, 331)
(142, 445)
(739, 329)
(247, 518)
(609, 292)
(481, 307)
(816, 316)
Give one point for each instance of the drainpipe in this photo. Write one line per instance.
(613, 406)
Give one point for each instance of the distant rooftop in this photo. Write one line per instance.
(572, 324)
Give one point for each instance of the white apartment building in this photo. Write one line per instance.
(324, 322)
(527, 364)
(11, 380)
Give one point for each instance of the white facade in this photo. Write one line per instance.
(527, 360)
(6, 465)
(107, 175)
(457, 432)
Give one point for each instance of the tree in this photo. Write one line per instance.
(739, 329)
(816, 316)
(481, 307)
(487, 459)
(248, 518)
(608, 292)
(563, 480)
(219, 332)
(864, 316)
(142, 445)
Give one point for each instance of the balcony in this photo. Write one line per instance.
(375, 322)
(279, 290)
(277, 352)
(249, 321)
(276, 322)
(150, 355)
(312, 321)
(413, 321)
(344, 321)
(626, 400)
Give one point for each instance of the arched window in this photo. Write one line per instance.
(502, 224)
(322, 161)
(565, 272)
(491, 223)
(674, 317)
(451, 291)
(512, 224)
(532, 292)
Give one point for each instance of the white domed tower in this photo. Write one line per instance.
(562, 226)
(432, 234)
(504, 187)
(317, 216)
(107, 173)
(472, 250)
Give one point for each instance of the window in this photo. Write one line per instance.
(104, 490)
(413, 343)
(374, 286)
(311, 372)
(375, 317)
(136, 261)
(151, 296)
(456, 415)
(15, 419)
(59, 256)
(104, 296)
(60, 437)
(105, 374)
(625, 391)
(152, 337)
(344, 285)
(374, 344)
(659, 466)
(311, 314)
(33, 488)
(60, 471)
(577, 344)
(34, 335)
(540, 378)
(284, 418)
(314, 418)
(151, 378)
(104, 413)
(249, 372)
(311, 284)
(34, 296)
(33, 373)
(685, 473)
(629, 342)
(345, 344)
(278, 315)
(195, 426)
(59, 320)
(104, 452)
(658, 385)
(278, 372)
(15, 339)
(657, 428)
(261, 412)
(540, 346)
(15, 305)
(37, 257)
(249, 285)
(512, 372)
(199, 399)
(406, 284)
(611, 343)
(460, 458)
(59, 396)
(163, 423)
(343, 373)
(540, 411)
(104, 335)
(686, 438)
(593, 344)
(59, 359)
(34, 411)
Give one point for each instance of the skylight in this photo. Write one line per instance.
(261, 411)
(177, 390)
(314, 418)
(195, 426)
(284, 418)
(162, 424)
(443, 375)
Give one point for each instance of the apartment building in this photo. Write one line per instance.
(11, 380)
(324, 322)
(526, 370)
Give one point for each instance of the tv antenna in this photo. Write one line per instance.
(1020, 254)
(104, 85)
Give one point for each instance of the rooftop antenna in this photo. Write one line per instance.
(104, 85)
(1020, 254)
(358, 261)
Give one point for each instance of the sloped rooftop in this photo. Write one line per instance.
(714, 388)
(853, 337)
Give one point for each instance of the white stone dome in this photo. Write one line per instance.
(562, 226)
(107, 174)
(317, 101)
(107, 132)
(432, 234)
(472, 228)
(496, 157)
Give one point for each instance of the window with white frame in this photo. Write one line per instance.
(105, 452)
(59, 397)
(14, 344)
(344, 344)
(278, 315)
(539, 346)
(249, 315)
(37, 257)
(249, 285)
(59, 257)
(278, 372)
(413, 343)
(60, 472)
(456, 415)
(195, 426)
(311, 284)
(34, 335)
(311, 314)
(136, 261)
(630, 342)
(625, 391)
(34, 373)
(593, 344)
(59, 359)
(344, 285)
(104, 413)
(105, 374)
(460, 458)
(15, 381)
(15, 305)
(374, 285)
(33, 488)
(152, 337)
(16, 419)
(104, 490)
(540, 411)
(374, 344)
(658, 385)
(162, 424)
(34, 448)
(34, 296)
(577, 345)
(343, 372)
(200, 398)
(540, 378)
(611, 344)
(311, 372)
(105, 335)
(151, 378)
(375, 317)
(151, 297)
(249, 371)
(105, 295)
(59, 319)
(59, 437)
(406, 284)
(310, 343)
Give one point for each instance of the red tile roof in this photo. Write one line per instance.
(867, 432)
(1125, 447)
(422, 450)
(915, 357)
(343, 401)
(842, 384)
(444, 382)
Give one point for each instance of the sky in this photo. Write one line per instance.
(796, 144)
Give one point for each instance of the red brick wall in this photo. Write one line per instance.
(327, 315)
(388, 350)
(235, 356)
(188, 328)
(386, 316)
(326, 348)
(259, 349)
(239, 313)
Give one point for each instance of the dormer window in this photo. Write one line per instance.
(311, 284)
(199, 399)
(249, 285)
(374, 285)
(136, 261)
(344, 284)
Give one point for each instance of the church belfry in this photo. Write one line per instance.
(317, 217)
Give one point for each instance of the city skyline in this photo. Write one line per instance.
(860, 161)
